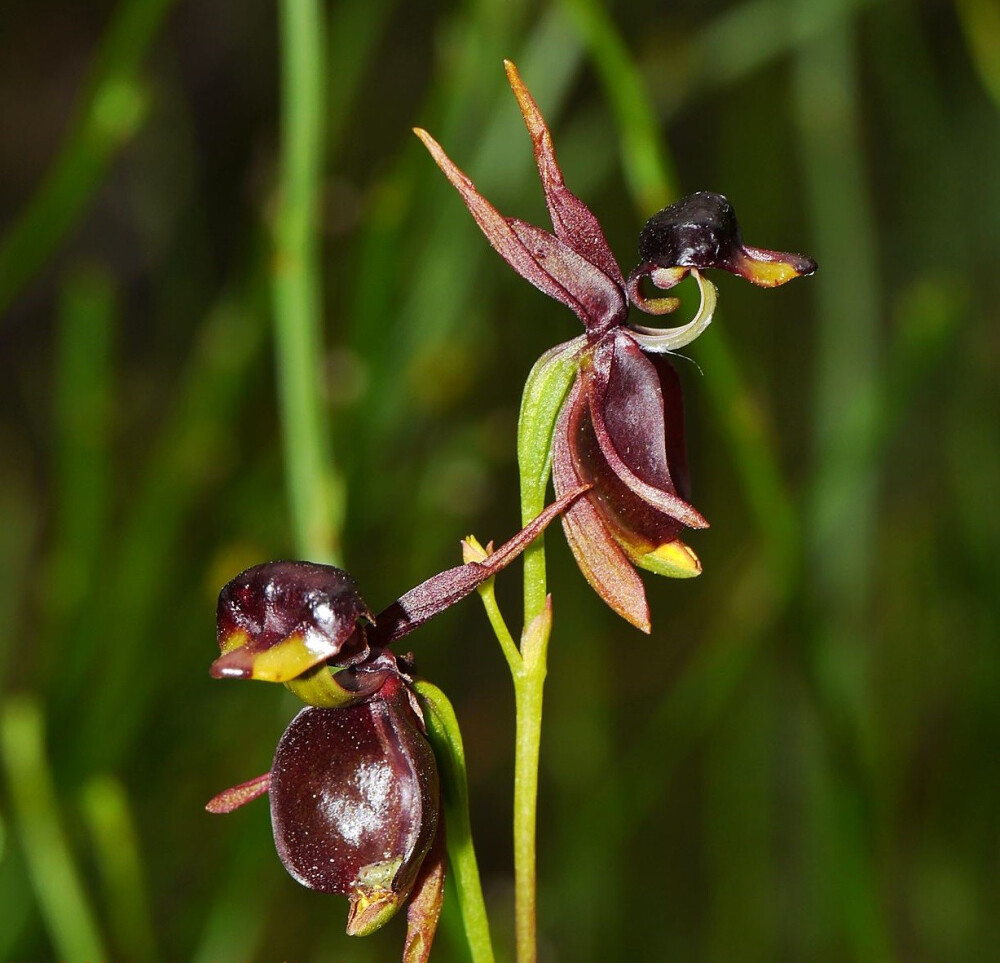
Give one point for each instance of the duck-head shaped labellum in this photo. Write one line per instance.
(281, 621)
(278, 620)
(700, 231)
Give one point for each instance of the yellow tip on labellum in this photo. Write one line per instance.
(673, 559)
(769, 269)
(233, 640)
(284, 661)
(287, 659)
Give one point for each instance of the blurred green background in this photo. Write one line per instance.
(800, 762)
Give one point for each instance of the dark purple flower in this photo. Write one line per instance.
(621, 428)
(355, 803)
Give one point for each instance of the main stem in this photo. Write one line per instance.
(529, 682)
(528, 686)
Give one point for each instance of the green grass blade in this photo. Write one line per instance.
(119, 861)
(113, 109)
(316, 495)
(60, 892)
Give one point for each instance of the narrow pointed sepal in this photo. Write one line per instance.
(574, 222)
(551, 265)
(444, 589)
(236, 796)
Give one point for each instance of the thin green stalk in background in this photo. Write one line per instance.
(113, 110)
(213, 386)
(108, 815)
(980, 21)
(87, 323)
(315, 494)
(648, 169)
(61, 896)
(843, 498)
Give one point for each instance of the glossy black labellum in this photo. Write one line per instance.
(700, 231)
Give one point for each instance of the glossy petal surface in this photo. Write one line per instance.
(701, 231)
(278, 620)
(354, 800)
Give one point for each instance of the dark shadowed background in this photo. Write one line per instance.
(800, 762)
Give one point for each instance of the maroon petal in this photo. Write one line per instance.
(354, 803)
(546, 262)
(602, 301)
(573, 221)
(446, 588)
(600, 558)
(673, 423)
(637, 438)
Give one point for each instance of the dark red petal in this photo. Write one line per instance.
(673, 419)
(448, 587)
(601, 560)
(573, 221)
(602, 301)
(639, 423)
(354, 799)
(637, 525)
(543, 260)
(634, 414)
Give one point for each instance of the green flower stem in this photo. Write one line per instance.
(529, 683)
(316, 496)
(544, 393)
(446, 738)
(487, 593)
